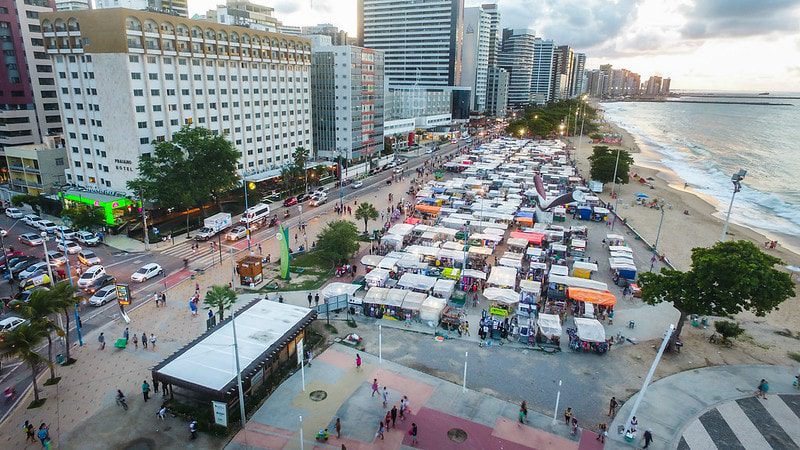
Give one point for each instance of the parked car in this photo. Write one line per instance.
(429, 151)
(69, 247)
(303, 198)
(47, 226)
(321, 190)
(357, 184)
(291, 201)
(66, 233)
(91, 274)
(236, 233)
(103, 296)
(105, 280)
(87, 238)
(56, 258)
(391, 165)
(88, 257)
(14, 213)
(30, 239)
(31, 270)
(146, 272)
(319, 199)
(31, 219)
(9, 323)
(23, 263)
(398, 170)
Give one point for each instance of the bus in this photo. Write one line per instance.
(255, 216)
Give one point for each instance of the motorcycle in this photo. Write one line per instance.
(286, 214)
(273, 221)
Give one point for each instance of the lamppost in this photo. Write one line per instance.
(736, 179)
(69, 277)
(341, 175)
(247, 185)
(658, 235)
(50, 273)
(8, 266)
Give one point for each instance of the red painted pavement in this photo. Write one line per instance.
(589, 441)
(258, 435)
(511, 430)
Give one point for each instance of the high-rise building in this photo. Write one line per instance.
(246, 14)
(347, 94)
(665, 86)
(421, 39)
(128, 79)
(475, 55)
(517, 58)
(495, 32)
(338, 37)
(28, 93)
(578, 67)
(172, 7)
(562, 72)
(541, 76)
(605, 87)
(653, 86)
(497, 92)
(291, 30)
(72, 5)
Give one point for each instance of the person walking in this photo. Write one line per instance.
(648, 438)
(388, 419)
(394, 416)
(602, 432)
(162, 412)
(152, 341)
(567, 416)
(316, 299)
(145, 390)
(574, 426)
(338, 428)
(163, 298)
(144, 341)
(309, 299)
(374, 387)
(102, 340)
(135, 342)
(193, 429)
(523, 412)
(30, 434)
(379, 433)
(43, 434)
(125, 335)
(413, 434)
(385, 396)
(634, 423)
(358, 361)
(612, 406)
(763, 388)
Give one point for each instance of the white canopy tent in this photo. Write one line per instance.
(444, 288)
(507, 296)
(503, 276)
(413, 301)
(371, 260)
(395, 298)
(401, 229)
(590, 330)
(549, 325)
(336, 289)
(376, 295)
(472, 273)
(432, 308)
(559, 270)
(388, 263)
(392, 240)
(376, 277)
(417, 282)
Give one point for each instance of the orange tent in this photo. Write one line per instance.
(524, 220)
(602, 298)
(428, 209)
(533, 238)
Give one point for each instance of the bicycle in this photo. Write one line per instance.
(121, 401)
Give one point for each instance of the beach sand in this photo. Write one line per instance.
(699, 228)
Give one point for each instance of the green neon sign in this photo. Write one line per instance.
(108, 207)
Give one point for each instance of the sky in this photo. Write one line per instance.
(737, 45)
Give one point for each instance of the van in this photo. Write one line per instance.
(255, 214)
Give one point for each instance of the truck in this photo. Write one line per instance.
(213, 225)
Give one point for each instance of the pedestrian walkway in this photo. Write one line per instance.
(695, 410)
(201, 258)
(447, 416)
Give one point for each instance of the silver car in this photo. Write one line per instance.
(103, 295)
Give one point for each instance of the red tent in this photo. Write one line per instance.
(533, 238)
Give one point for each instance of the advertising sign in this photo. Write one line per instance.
(220, 413)
(123, 294)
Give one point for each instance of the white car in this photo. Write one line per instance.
(14, 213)
(91, 274)
(236, 233)
(357, 184)
(103, 295)
(398, 170)
(56, 258)
(32, 269)
(9, 323)
(146, 272)
(429, 151)
(31, 220)
(66, 233)
(31, 239)
(47, 226)
(87, 238)
(319, 199)
(69, 247)
(320, 190)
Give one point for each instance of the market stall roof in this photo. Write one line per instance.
(578, 282)
(620, 249)
(472, 273)
(510, 262)
(395, 239)
(376, 295)
(431, 309)
(582, 265)
(549, 325)
(451, 245)
(615, 237)
(335, 289)
(578, 243)
(503, 276)
(424, 250)
(377, 275)
(533, 238)
(428, 209)
(413, 300)
(517, 242)
(590, 330)
(371, 260)
(401, 229)
(395, 298)
(559, 270)
(558, 247)
(534, 251)
(416, 281)
(530, 286)
(495, 231)
(602, 298)
(507, 296)
(478, 250)
(486, 237)
(443, 286)
(388, 263)
(412, 220)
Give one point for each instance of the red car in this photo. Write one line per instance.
(291, 201)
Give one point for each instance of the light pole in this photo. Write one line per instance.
(69, 277)
(647, 379)
(658, 235)
(341, 177)
(238, 369)
(737, 186)
(246, 186)
(558, 399)
(8, 266)
(50, 273)
(144, 224)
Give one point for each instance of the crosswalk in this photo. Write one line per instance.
(747, 423)
(204, 256)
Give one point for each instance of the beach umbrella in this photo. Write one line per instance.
(641, 195)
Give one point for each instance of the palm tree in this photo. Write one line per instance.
(365, 212)
(63, 299)
(39, 310)
(21, 342)
(221, 297)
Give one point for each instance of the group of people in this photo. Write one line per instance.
(389, 421)
(43, 433)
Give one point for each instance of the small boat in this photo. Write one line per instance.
(763, 93)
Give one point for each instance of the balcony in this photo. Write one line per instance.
(22, 168)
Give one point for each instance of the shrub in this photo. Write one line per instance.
(728, 329)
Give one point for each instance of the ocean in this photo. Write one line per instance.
(703, 144)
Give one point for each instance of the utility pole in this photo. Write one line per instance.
(144, 223)
(238, 369)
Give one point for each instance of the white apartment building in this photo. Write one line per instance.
(475, 55)
(128, 79)
(347, 93)
(517, 57)
(542, 71)
(172, 7)
(72, 5)
(244, 13)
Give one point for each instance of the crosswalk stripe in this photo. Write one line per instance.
(785, 417)
(697, 437)
(747, 433)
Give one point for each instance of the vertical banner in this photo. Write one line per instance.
(220, 413)
(283, 239)
(300, 352)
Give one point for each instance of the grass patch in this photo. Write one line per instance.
(310, 260)
(750, 339)
(331, 329)
(37, 403)
(794, 355)
(52, 381)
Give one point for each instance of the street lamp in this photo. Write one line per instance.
(50, 273)
(3, 247)
(78, 325)
(658, 235)
(247, 185)
(736, 179)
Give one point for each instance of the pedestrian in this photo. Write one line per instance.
(612, 406)
(374, 387)
(309, 299)
(648, 438)
(413, 432)
(633, 424)
(145, 390)
(316, 299)
(193, 429)
(155, 386)
(523, 412)
(135, 342)
(602, 432)
(574, 426)
(763, 388)
(259, 250)
(163, 299)
(30, 435)
(162, 412)
(358, 361)
(309, 355)
(152, 341)
(380, 430)
(394, 416)
(125, 336)
(102, 340)
(144, 341)
(156, 298)
(385, 396)
(567, 416)
(43, 434)
(338, 428)
(388, 419)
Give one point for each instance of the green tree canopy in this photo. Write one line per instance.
(222, 298)
(22, 342)
(300, 156)
(338, 241)
(366, 212)
(34, 201)
(603, 163)
(39, 310)
(724, 280)
(547, 120)
(84, 217)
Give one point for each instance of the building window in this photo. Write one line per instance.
(144, 140)
(141, 125)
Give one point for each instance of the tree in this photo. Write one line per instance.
(338, 241)
(63, 298)
(728, 329)
(21, 342)
(84, 217)
(34, 201)
(38, 310)
(222, 298)
(604, 164)
(725, 279)
(366, 212)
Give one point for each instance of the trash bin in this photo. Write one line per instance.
(60, 359)
(631, 324)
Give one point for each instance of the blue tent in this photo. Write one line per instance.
(642, 195)
(524, 214)
(585, 212)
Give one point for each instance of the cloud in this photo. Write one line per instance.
(740, 18)
(287, 6)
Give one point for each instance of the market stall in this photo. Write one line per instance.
(503, 277)
(371, 261)
(581, 269)
(412, 304)
(529, 292)
(416, 282)
(376, 277)
(577, 248)
(588, 336)
(431, 309)
(533, 238)
(601, 298)
(373, 301)
(392, 241)
(444, 288)
(548, 331)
